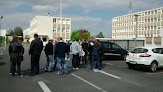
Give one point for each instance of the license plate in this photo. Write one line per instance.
(132, 62)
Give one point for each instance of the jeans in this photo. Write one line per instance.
(59, 61)
(55, 61)
(35, 63)
(75, 60)
(11, 68)
(49, 62)
(14, 68)
(93, 60)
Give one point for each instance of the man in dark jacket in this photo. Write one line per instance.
(35, 50)
(85, 49)
(60, 51)
(49, 55)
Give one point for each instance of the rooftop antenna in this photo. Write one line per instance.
(130, 7)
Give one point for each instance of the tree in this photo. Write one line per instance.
(100, 35)
(18, 31)
(75, 35)
(86, 35)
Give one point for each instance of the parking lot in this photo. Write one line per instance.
(114, 77)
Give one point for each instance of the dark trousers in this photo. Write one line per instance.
(55, 61)
(11, 68)
(14, 68)
(75, 60)
(35, 63)
(90, 59)
(85, 58)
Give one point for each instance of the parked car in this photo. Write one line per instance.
(112, 50)
(151, 57)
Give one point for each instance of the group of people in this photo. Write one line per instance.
(57, 51)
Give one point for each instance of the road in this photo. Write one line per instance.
(114, 77)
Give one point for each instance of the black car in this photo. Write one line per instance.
(112, 50)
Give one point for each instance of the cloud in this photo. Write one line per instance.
(43, 8)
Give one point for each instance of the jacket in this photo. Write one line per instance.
(85, 47)
(96, 51)
(75, 48)
(60, 49)
(90, 49)
(36, 47)
(16, 51)
(49, 49)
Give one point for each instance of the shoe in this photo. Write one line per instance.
(46, 70)
(51, 71)
(66, 72)
(20, 76)
(10, 73)
(74, 68)
(99, 69)
(37, 73)
(59, 73)
(77, 68)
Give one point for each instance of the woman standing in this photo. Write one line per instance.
(16, 52)
(96, 54)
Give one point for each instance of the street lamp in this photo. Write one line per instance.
(136, 19)
(0, 24)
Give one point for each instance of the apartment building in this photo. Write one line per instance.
(49, 27)
(148, 25)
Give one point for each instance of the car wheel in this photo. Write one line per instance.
(153, 67)
(131, 66)
(124, 57)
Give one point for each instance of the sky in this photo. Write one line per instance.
(93, 15)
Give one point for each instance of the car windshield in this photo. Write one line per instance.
(139, 50)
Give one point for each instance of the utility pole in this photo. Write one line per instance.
(136, 19)
(61, 18)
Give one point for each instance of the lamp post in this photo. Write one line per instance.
(0, 24)
(136, 19)
(61, 18)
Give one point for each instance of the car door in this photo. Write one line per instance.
(107, 49)
(158, 55)
(161, 56)
(116, 50)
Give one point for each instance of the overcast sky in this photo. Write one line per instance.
(93, 15)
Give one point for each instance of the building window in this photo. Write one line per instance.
(148, 20)
(158, 19)
(54, 21)
(155, 19)
(155, 11)
(154, 27)
(54, 30)
(158, 27)
(151, 27)
(152, 20)
(145, 13)
(151, 12)
(44, 39)
(58, 30)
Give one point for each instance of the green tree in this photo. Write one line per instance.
(18, 31)
(75, 35)
(100, 35)
(86, 35)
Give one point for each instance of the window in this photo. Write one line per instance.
(158, 19)
(155, 19)
(115, 46)
(148, 20)
(154, 27)
(151, 27)
(54, 30)
(151, 12)
(158, 50)
(155, 11)
(106, 45)
(139, 50)
(54, 21)
(44, 39)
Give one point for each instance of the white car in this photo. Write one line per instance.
(152, 57)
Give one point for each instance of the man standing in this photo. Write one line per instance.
(60, 51)
(101, 51)
(49, 55)
(75, 48)
(85, 49)
(55, 60)
(35, 50)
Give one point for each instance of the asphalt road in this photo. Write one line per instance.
(114, 77)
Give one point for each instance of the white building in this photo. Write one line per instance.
(49, 27)
(3, 32)
(26, 34)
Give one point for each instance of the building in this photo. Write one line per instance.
(49, 27)
(5, 32)
(148, 24)
(26, 34)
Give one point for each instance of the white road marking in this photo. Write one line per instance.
(1, 53)
(89, 83)
(43, 86)
(103, 72)
(109, 64)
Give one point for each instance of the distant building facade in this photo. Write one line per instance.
(26, 34)
(49, 27)
(149, 24)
